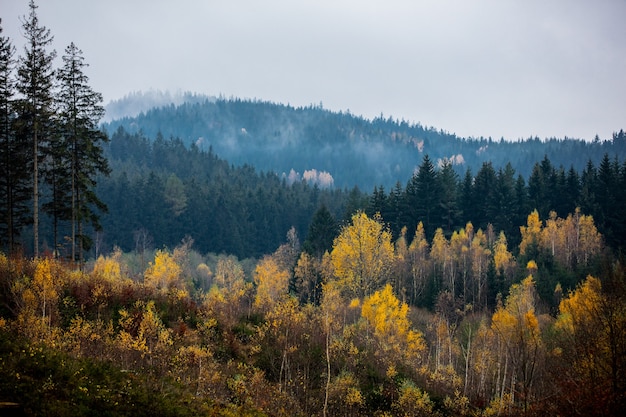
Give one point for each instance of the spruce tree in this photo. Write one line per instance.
(80, 111)
(322, 231)
(423, 194)
(35, 79)
(15, 180)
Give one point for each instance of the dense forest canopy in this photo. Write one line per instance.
(167, 191)
(353, 150)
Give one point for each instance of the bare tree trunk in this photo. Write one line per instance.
(467, 360)
(35, 194)
(325, 411)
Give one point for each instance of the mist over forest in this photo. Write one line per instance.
(352, 150)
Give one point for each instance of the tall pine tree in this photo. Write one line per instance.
(423, 194)
(14, 154)
(80, 111)
(35, 79)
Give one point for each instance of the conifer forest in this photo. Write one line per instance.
(227, 257)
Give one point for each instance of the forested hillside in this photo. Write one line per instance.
(163, 191)
(302, 332)
(353, 150)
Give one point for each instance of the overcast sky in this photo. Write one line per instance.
(498, 68)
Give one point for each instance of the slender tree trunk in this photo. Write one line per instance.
(80, 230)
(35, 194)
(467, 360)
(325, 411)
(73, 174)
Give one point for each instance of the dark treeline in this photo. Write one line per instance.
(502, 198)
(162, 191)
(354, 150)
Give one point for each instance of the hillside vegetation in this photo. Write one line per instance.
(297, 333)
(353, 150)
(161, 191)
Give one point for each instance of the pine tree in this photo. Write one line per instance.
(485, 185)
(607, 197)
(15, 181)
(35, 78)
(448, 179)
(80, 113)
(423, 194)
(322, 231)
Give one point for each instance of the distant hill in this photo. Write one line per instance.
(137, 102)
(334, 148)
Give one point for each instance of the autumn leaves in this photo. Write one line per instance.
(339, 332)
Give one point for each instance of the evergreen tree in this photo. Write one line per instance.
(423, 195)
(466, 197)
(620, 231)
(485, 186)
(537, 191)
(448, 179)
(378, 202)
(588, 182)
(572, 190)
(504, 199)
(80, 113)
(607, 198)
(322, 231)
(14, 151)
(57, 178)
(397, 210)
(35, 79)
(520, 211)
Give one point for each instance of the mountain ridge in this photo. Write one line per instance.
(346, 150)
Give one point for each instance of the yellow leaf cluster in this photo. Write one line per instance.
(388, 316)
(109, 267)
(502, 258)
(413, 401)
(582, 306)
(362, 255)
(531, 233)
(272, 282)
(574, 239)
(516, 322)
(164, 272)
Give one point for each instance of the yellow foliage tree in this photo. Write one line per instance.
(502, 258)
(223, 300)
(418, 258)
(272, 283)
(531, 233)
(164, 273)
(344, 396)
(308, 278)
(440, 254)
(143, 332)
(362, 255)
(392, 329)
(589, 239)
(517, 327)
(413, 401)
(481, 255)
(109, 267)
(592, 328)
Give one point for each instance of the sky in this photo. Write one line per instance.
(481, 68)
